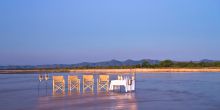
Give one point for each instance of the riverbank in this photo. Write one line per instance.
(137, 70)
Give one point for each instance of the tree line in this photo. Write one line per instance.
(161, 64)
(170, 63)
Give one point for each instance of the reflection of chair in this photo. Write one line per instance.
(58, 85)
(88, 82)
(73, 83)
(103, 82)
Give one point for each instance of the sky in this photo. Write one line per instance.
(36, 32)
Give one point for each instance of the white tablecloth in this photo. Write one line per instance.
(122, 83)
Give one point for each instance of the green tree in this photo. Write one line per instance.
(145, 64)
(166, 63)
(138, 65)
(192, 64)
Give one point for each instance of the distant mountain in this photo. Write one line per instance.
(106, 63)
(116, 63)
(207, 60)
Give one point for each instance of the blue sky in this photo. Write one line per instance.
(71, 31)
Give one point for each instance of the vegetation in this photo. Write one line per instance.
(162, 64)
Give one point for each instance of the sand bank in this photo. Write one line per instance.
(146, 70)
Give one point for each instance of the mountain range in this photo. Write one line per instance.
(117, 63)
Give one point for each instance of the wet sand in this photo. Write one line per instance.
(137, 70)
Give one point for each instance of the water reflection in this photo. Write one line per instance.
(112, 101)
(125, 101)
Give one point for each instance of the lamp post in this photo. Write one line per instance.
(46, 76)
(40, 77)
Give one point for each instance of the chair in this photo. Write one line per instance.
(73, 83)
(133, 78)
(120, 77)
(58, 85)
(88, 82)
(103, 82)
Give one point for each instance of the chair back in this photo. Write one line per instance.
(104, 77)
(88, 78)
(73, 78)
(120, 77)
(58, 78)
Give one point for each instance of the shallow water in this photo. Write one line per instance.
(156, 91)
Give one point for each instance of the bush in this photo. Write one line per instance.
(166, 63)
